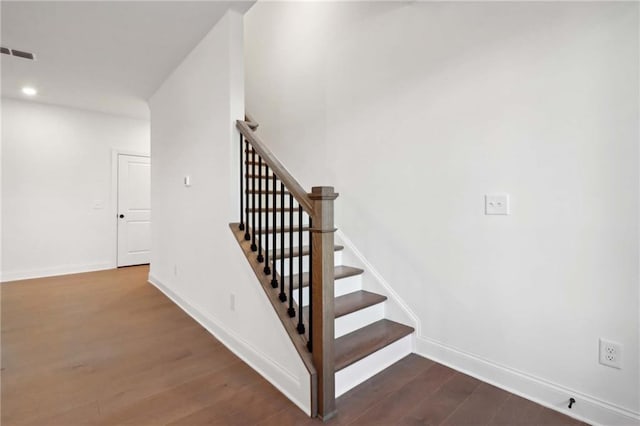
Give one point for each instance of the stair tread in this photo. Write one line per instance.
(271, 209)
(355, 301)
(367, 340)
(286, 229)
(339, 272)
(296, 252)
(250, 175)
(264, 191)
(352, 302)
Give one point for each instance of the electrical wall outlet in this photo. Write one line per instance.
(610, 353)
(496, 204)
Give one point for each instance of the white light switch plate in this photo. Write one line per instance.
(496, 204)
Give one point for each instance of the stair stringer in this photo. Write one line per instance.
(396, 309)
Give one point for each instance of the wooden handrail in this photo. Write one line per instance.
(276, 166)
(253, 124)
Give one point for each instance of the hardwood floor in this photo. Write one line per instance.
(107, 348)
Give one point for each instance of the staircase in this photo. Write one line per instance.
(287, 235)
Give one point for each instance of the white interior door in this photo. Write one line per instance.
(134, 210)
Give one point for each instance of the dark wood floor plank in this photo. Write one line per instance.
(434, 410)
(547, 417)
(86, 414)
(183, 400)
(242, 407)
(405, 399)
(135, 387)
(480, 408)
(516, 411)
(287, 416)
(352, 404)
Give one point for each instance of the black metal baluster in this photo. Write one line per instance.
(241, 227)
(247, 237)
(283, 294)
(253, 201)
(260, 257)
(300, 323)
(310, 305)
(274, 280)
(265, 235)
(291, 311)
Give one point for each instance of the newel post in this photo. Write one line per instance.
(322, 297)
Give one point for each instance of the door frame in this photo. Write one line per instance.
(115, 153)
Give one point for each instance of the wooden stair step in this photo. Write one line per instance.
(296, 252)
(264, 191)
(286, 230)
(350, 303)
(251, 176)
(357, 345)
(272, 210)
(339, 272)
(356, 301)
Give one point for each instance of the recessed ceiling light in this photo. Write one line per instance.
(29, 91)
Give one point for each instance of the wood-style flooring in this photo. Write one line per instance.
(106, 348)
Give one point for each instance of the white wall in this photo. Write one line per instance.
(56, 162)
(195, 257)
(414, 111)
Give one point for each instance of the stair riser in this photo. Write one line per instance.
(305, 263)
(358, 319)
(358, 372)
(305, 239)
(342, 286)
(286, 204)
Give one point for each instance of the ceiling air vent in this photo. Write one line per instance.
(21, 54)
(18, 53)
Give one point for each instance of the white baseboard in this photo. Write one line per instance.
(587, 408)
(52, 272)
(268, 368)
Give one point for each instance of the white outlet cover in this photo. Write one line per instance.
(496, 204)
(610, 353)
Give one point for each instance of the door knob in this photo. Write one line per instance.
(121, 216)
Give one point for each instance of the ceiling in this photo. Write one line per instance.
(108, 56)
